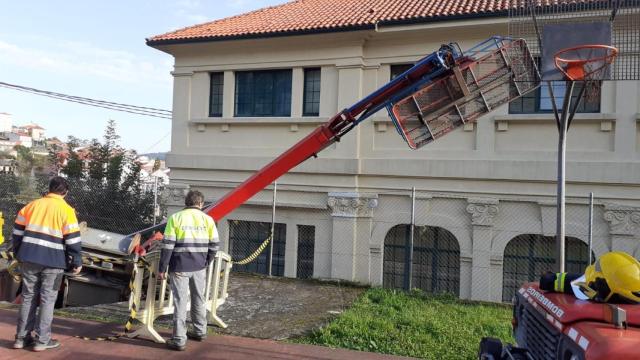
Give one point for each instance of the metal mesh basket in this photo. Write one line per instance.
(491, 74)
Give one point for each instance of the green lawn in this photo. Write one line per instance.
(414, 324)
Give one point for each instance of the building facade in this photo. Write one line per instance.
(485, 210)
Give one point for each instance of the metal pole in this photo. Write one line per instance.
(273, 225)
(155, 200)
(562, 155)
(409, 258)
(590, 225)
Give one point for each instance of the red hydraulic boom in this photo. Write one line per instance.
(439, 93)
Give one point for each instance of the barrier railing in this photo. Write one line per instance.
(158, 300)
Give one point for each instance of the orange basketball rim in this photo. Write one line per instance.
(585, 62)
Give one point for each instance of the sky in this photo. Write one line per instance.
(97, 49)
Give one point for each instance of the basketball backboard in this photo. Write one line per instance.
(549, 27)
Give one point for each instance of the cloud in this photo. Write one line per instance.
(85, 59)
(190, 12)
(188, 4)
(238, 4)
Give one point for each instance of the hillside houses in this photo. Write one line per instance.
(30, 136)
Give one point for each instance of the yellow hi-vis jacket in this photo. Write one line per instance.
(190, 241)
(46, 232)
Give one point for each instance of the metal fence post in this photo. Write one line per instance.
(273, 225)
(155, 200)
(590, 225)
(409, 258)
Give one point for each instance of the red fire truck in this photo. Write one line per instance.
(548, 325)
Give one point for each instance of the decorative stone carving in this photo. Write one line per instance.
(352, 205)
(623, 220)
(482, 211)
(176, 194)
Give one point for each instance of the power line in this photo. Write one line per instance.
(138, 110)
(157, 142)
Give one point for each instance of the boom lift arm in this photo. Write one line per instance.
(425, 70)
(413, 106)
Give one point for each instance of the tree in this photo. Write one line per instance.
(74, 168)
(156, 165)
(25, 159)
(111, 138)
(9, 204)
(107, 192)
(6, 155)
(98, 158)
(105, 159)
(55, 161)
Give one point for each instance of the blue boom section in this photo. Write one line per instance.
(436, 64)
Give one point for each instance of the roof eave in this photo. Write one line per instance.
(154, 43)
(430, 19)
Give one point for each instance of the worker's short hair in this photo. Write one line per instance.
(58, 185)
(194, 197)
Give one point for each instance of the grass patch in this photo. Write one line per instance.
(414, 324)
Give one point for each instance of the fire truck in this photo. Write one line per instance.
(548, 325)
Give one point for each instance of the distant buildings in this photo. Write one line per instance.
(5, 122)
(152, 169)
(33, 137)
(29, 135)
(34, 130)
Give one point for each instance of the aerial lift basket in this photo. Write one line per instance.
(487, 76)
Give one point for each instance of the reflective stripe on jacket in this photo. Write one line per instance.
(190, 241)
(46, 231)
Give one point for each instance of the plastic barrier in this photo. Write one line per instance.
(158, 300)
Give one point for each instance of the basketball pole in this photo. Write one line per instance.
(563, 127)
(563, 120)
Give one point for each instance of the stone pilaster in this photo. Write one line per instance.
(483, 213)
(352, 222)
(352, 205)
(624, 227)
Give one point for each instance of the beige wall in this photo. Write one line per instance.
(504, 161)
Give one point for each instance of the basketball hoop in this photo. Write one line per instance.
(588, 63)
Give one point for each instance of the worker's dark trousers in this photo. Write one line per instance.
(45, 282)
(183, 283)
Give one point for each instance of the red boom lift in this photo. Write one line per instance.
(441, 92)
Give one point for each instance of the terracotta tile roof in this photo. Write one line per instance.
(33, 126)
(304, 16)
(309, 16)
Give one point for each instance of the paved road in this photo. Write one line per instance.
(215, 347)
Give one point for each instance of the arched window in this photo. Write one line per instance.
(528, 256)
(436, 259)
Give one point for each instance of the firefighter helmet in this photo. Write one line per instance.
(614, 277)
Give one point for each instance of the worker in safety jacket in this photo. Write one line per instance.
(190, 243)
(46, 241)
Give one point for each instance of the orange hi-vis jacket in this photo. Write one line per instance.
(46, 232)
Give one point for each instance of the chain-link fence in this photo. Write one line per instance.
(475, 248)
(118, 208)
(480, 248)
